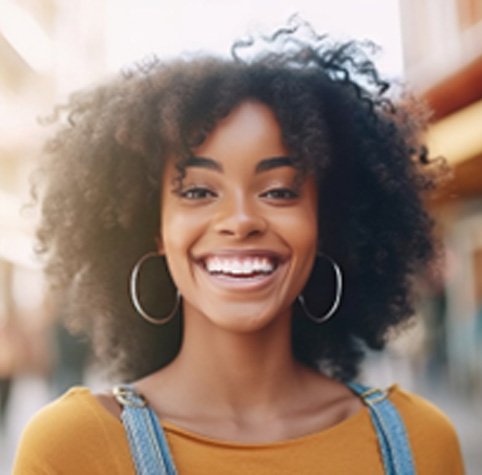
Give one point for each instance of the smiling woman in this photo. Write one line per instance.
(268, 216)
(238, 233)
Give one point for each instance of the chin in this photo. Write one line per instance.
(245, 317)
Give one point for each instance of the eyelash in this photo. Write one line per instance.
(201, 193)
(280, 194)
(197, 193)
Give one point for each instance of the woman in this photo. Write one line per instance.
(264, 218)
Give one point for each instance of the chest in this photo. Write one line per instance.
(351, 449)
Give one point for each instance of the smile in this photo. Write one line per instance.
(240, 266)
(246, 268)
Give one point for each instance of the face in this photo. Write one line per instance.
(240, 232)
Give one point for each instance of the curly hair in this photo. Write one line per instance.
(101, 205)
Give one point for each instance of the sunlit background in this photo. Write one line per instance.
(48, 48)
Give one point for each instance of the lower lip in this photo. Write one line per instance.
(241, 283)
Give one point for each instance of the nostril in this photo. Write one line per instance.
(245, 226)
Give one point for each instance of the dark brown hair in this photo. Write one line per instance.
(100, 204)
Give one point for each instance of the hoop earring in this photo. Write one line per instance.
(135, 299)
(336, 301)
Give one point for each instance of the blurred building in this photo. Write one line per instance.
(47, 49)
(443, 61)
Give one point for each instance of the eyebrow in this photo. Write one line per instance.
(263, 166)
(274, 162)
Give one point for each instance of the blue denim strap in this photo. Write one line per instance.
(390, 429)
(147, 441)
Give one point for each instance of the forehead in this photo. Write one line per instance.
(249, 127)
(248, 139)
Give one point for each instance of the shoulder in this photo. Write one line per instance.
(72, 433)
(422, 416)
(76, 412)
(432, 436)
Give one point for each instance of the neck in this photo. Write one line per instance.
(236, 371)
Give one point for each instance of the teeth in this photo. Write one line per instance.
(238, 266)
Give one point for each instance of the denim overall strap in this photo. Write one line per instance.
(390, 429)
(147, 441)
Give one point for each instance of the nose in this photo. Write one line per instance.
(240, 219)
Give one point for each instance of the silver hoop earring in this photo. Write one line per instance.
(336, 301)
(135, 299)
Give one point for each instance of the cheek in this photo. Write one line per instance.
(180, 232)
(173, 236)
(301, 229)
(177, 250)
(299, 232)
(177, 233)
(300, 226)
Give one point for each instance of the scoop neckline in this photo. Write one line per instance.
(226, 443)
(170, 427)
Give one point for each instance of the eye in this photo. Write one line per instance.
(280, 194)
(197, 193)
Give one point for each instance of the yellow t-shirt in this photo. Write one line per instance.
(76, 435)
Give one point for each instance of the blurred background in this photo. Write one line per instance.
(48, 48)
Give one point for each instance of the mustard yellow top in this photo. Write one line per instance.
(76, 435)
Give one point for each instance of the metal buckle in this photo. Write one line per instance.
(127, 396)
(366, 395)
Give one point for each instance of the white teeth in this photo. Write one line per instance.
(239, 266)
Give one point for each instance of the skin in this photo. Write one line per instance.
(235, 377)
